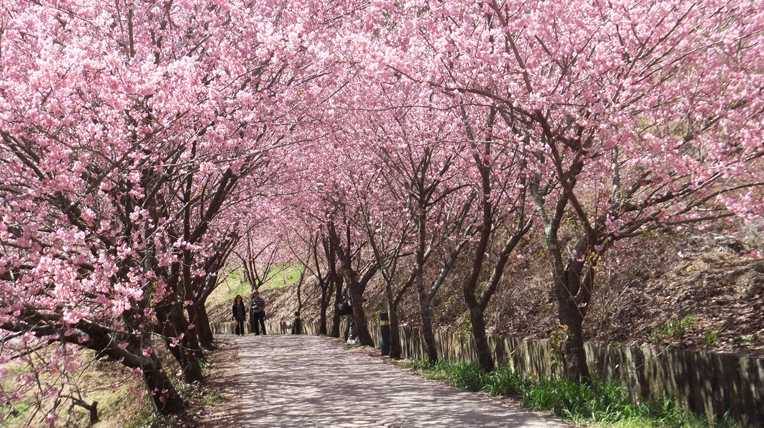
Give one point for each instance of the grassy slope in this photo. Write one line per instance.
(119, 394)
(220, 301)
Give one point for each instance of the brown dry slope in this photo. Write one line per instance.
(695, 290)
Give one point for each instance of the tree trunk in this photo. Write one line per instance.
(424, 299)
(360, 316)
(395, 341)
(331, 257)
(202, 325)
(336, 316)
(427, 333)
(477, 319)
(192, 371)
(162, 392)
(567, 284)
(164, 329)
(573, 295)
(570, 316)
(322, 322)
(324, 307)
(189, 347)
(395, 337)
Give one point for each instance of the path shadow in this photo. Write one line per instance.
(223, 408)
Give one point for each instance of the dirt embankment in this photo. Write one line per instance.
(693, 289)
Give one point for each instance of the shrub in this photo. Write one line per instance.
(467, 376)
(597, 403)
(504, 382)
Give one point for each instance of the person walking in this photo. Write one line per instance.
(239, 315)
(352, 328)
(257, 312)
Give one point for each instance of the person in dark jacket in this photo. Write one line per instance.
(257, 312)
(353, 329)
(239, 315)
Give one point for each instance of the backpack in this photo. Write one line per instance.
(344, 307)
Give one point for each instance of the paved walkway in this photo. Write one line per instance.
(309, 381)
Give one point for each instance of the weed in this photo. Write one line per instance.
(597, 404)
(217, 398)
(557, 346)
(203, 363)
(467, 376)
(11, 413)
(465, 328)
(241, 289)
(675, 327)
(711, 337)
(743, 339)
(145, 418)
(602, 403)
(575, 400)
(439, 370)
(504, 382)
(287, 275)
(418, 364)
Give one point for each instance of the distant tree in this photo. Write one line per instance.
(261, 259)
(421, 172)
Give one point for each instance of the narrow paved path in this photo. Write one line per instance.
(309, 381)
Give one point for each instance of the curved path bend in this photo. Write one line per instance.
(309, 381)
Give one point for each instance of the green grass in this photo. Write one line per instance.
(234, 286)
(213, 399)
(467, 376)
(146, 418)
(597, 404)
(603, 403)
(439, 370)
(673, 328)
(742, 339)
(711, 337)
(205, 364)
(505, 382)
(289, 275)
(15, 413)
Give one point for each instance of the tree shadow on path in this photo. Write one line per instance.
(223, 408)
(308, 381)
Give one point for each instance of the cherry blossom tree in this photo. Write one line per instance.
(320, 210)
(261, 255)
(631, 115)
(137, 139)
(349, 252)
(311, 251)
(420, 164)
(504, 216)
(128, 134)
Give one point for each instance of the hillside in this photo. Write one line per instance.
(691, 289)
(119, 395)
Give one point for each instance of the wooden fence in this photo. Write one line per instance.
(713, 384)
